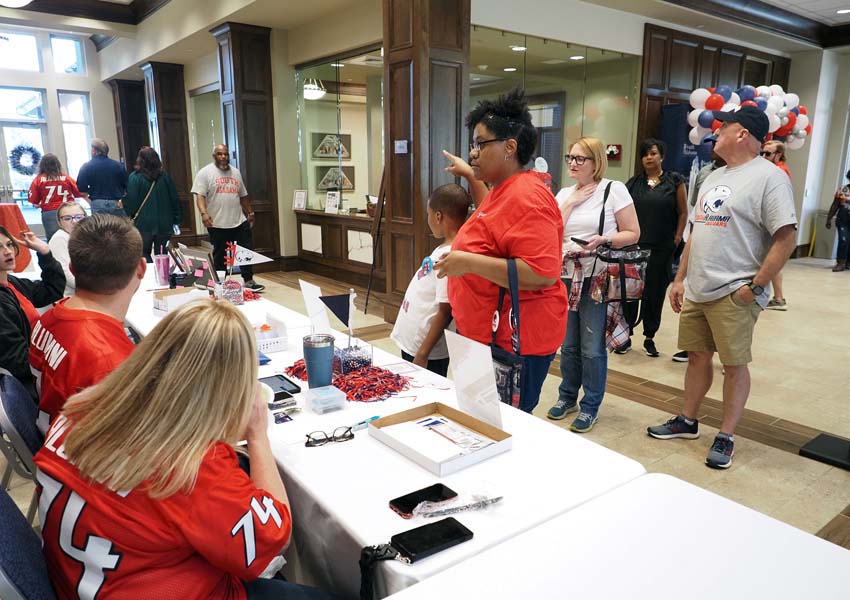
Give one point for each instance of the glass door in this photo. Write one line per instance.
(21, 144)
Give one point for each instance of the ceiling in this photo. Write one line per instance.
(823, 11)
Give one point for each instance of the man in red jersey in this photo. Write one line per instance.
(81, 339)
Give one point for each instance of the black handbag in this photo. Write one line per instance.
(508, 366)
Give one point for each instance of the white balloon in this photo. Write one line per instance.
(801, 134)
(729, 107)
(770, 109)
(698, 97)
(791, 100)
(795, 130)
(774, 123)
(763, 91)
(802, 121)
(784, 120)
(795, 143)
(693, 116)
(694, 136)
(776, 101)
(735, 99)
(783, 112)
(776, 90)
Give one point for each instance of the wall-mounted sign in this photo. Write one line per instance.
(614, 151)
(400, 146)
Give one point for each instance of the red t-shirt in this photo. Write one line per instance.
(784, 167)
(71, 350)
(48, 193)
(26, 306)
(517, 219)
(126, 546)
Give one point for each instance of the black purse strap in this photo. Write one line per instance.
(602, 213)
(513, 287)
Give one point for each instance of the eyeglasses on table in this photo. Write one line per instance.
(320, 438)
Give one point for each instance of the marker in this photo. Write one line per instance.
(364, 423)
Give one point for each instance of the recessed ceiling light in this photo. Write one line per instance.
(509, 69)
(476, 79)
(553, 61)
(700, 26)
(519, 48)
(337, 65)
(483, 67)
(843, 11)
(577, 57)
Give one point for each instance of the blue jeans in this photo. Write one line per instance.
(842, 224)
(534, 371)
(107, 206)
(50, 222)
(584, 357)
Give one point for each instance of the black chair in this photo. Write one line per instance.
(18, 414)
(23, 573)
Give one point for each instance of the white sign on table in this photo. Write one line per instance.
(475, 381)
(315, 307)
(332, 203)
(299, 200)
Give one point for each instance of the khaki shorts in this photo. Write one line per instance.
(721, 326)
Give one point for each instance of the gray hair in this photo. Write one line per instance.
(99, 146)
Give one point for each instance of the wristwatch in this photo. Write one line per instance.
(757, 289)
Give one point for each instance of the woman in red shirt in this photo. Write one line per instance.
(517, 218)
(49, 190)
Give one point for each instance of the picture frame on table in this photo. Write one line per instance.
(332, 200)
(334, 177)
(331, 145)
(299, 200)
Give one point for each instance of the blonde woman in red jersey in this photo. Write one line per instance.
(49, 190)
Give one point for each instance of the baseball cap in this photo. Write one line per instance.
(750, 117)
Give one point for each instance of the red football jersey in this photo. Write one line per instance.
(48, 193)
(126, 546)
(71, 350)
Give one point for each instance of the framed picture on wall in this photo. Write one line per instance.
(331, 145)
(339, 178)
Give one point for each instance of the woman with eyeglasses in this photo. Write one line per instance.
(69, 214)
(19, 299)
(152, 202)
(517, 218)
(49, 190)
(142, 494)
(584, 355)
(662, 209)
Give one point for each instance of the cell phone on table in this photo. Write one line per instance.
(282, 387)
(438, 492)
(429, 539)
(580, 241)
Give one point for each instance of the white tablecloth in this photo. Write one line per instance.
(654, 538)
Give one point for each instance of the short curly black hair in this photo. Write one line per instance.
(647, 145)
(507, 117)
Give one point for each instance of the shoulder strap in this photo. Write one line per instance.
(142, 205)
(602, 212)
(513, 288)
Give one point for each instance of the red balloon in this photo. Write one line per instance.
(768, 137)
(715, 125)
(711, 89)
(782, 131)
(803, 110)
(809, 129)
(749, 103)
(714, 102)
(792, 120)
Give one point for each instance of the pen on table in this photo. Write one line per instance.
(464, 507)
(364, 423)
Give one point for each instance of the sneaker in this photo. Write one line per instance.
(838, 268)
(721, 453)
(584, 422)
(650, 349)
(624, 348)
(676, 427)
(774, 304)
(254, 286)
(681, 356)
(561, 409)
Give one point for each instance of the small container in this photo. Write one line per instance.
(324, 399)
(161, 267)
(319, 359)
(232, 292)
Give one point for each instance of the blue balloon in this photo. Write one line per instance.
(725, 91)
(747, 92)
(796, 111)
(761, 102)
(706, 118)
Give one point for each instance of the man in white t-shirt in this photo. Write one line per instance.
(744, 231)
(425, 312)
(226, 210)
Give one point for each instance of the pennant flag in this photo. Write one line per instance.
(341, 305)
(230, 254)
(244, 256)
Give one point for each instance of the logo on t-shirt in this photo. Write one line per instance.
(226, 185)
(711, 202)
(425, 268)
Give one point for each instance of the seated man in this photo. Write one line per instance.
(81, 339)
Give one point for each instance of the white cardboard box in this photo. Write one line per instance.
(164, 301)
(503, 440)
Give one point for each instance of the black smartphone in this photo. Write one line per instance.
(404, 505)
(282, 387)
(429, 539)
(579, 241)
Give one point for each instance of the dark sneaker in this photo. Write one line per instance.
(774, 304)
(624, 348)
(721, 453)
(254, 286)
(676, 427)
(584, 422)
(650, 349)
(681, 356)
(561, 409)
(838, 268)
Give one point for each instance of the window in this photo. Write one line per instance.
(67, 55)
(74, 110)
(18, 104)
(19, 51)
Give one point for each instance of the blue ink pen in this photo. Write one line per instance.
(364, 423)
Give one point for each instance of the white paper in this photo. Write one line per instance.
(332, 203)
(475, 382)
(315, 307)
(299, 200)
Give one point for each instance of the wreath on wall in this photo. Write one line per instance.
(22, 154)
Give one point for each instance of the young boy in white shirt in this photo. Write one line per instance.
(425, 312)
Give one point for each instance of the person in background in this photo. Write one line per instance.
(68, 215)
(103, 180)
(19, 299)
(774, 151)
(840, 209)
(744, 231)
(584, 352)
(81, 339)
(425, 312)
(152, 203)
(661, 207)
(226, 210)
(517, 218)
(49, 190)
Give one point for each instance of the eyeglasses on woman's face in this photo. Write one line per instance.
(767, 153)
(72, 218)
(578, 159)
(478, 144)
